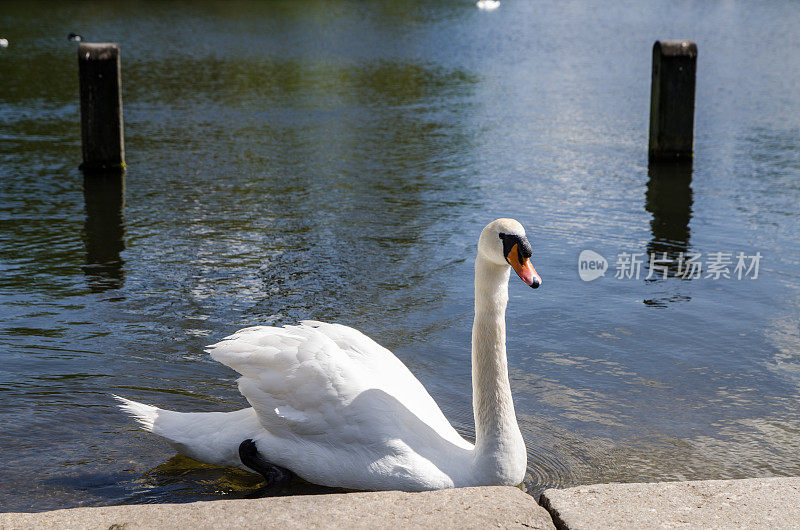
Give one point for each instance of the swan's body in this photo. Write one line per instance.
(337, 409)
(488, 5)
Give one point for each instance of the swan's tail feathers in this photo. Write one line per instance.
(145, 415)
(211, 437)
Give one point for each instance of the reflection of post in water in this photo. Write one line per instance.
(104, 231)
(669, 200)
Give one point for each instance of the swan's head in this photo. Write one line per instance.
(503, 242)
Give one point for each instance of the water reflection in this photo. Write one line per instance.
(669, 201)
(188, 479)
(104, 231)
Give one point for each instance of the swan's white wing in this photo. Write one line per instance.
(332, 382)
(391, 375)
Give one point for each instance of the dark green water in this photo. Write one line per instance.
(336, 161)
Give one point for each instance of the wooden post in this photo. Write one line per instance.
(672, 100)
(101, 107)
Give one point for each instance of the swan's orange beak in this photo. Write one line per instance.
(524, 268)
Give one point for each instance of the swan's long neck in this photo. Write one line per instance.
(499, 448)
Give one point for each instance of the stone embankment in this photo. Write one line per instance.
(749, 503)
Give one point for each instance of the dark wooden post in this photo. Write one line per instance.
(101, 107)
(672, 100)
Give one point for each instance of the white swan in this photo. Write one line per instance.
(337, 409)
(488, 5)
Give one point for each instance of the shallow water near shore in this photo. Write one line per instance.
(337, 161)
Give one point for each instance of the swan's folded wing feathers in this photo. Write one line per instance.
(297, 379)
(251, 350)
(388, 373)
(357, 346)
(302, 379)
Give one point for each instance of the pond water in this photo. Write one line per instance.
(337, 161)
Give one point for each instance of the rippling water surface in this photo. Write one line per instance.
(336, 161)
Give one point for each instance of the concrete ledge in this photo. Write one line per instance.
(748, 503)
(495, 507)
